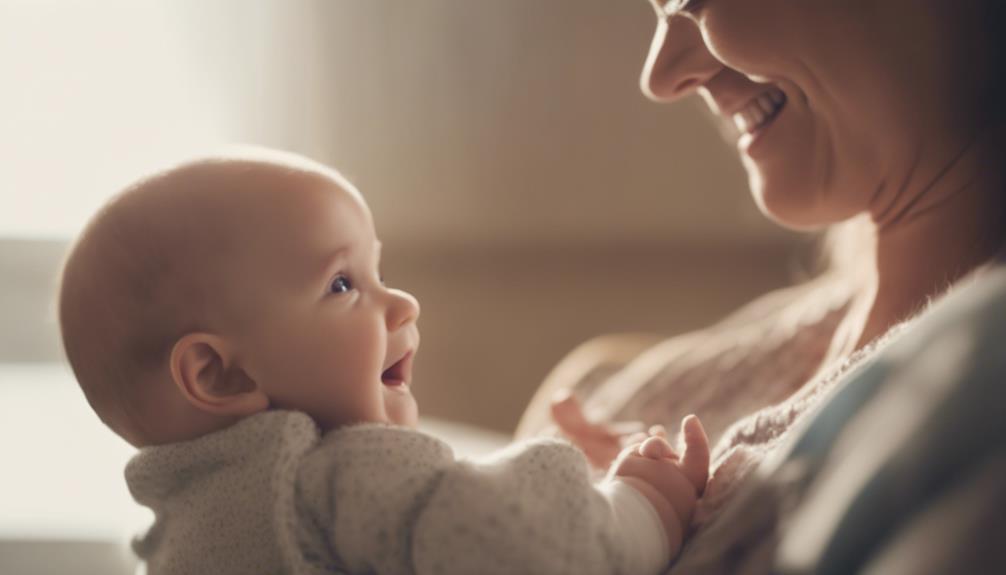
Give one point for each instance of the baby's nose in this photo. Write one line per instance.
(402, 310)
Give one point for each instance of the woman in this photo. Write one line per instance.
(881, 121)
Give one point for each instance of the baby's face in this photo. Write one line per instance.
(319, 331)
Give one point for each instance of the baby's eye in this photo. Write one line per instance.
(341, 284)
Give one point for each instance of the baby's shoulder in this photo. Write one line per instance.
(381, 436)
(365, 448)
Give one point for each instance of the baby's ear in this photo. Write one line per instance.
(203, 370)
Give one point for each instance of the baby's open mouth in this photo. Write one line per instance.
(399, 373)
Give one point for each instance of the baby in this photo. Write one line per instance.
(228, 317)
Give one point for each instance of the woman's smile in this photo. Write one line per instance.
(754, 118)
(759, 111)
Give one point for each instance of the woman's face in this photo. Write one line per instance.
(832, 101)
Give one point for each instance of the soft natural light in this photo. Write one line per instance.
(95, 93)
(63, 469)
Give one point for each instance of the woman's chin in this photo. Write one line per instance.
(791, 205)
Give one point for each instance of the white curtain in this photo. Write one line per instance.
(92, 94)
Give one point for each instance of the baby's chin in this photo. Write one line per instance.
(400, 406)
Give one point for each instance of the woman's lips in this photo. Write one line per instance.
(400, 372)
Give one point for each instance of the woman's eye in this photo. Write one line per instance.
(341, 284)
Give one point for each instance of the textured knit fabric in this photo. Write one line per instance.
(748, 379)
(902, 466)
(753, 380)
(270, 495)
(923, 425)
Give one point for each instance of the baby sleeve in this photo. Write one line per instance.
(399, 502)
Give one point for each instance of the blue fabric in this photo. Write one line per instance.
(946, 379)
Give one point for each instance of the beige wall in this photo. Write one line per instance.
(495, 321)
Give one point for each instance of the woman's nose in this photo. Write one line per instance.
(678, 61)
(403, 309)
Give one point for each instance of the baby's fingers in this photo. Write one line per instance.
(695, 461)
(656, 447)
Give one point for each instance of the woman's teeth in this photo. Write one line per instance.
(759, 111)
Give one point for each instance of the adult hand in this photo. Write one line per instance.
(600, 442)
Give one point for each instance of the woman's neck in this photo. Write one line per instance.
(935, 230)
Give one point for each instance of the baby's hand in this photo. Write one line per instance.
(671, 484)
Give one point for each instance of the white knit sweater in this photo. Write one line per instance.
(270, 495)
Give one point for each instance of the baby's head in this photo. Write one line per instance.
(231, 285)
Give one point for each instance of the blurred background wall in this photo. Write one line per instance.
(526, 192)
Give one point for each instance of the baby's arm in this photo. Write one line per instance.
(393, 500)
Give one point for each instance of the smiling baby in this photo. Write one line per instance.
(227, 316)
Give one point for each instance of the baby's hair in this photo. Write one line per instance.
(132, 285)
(118, 309)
